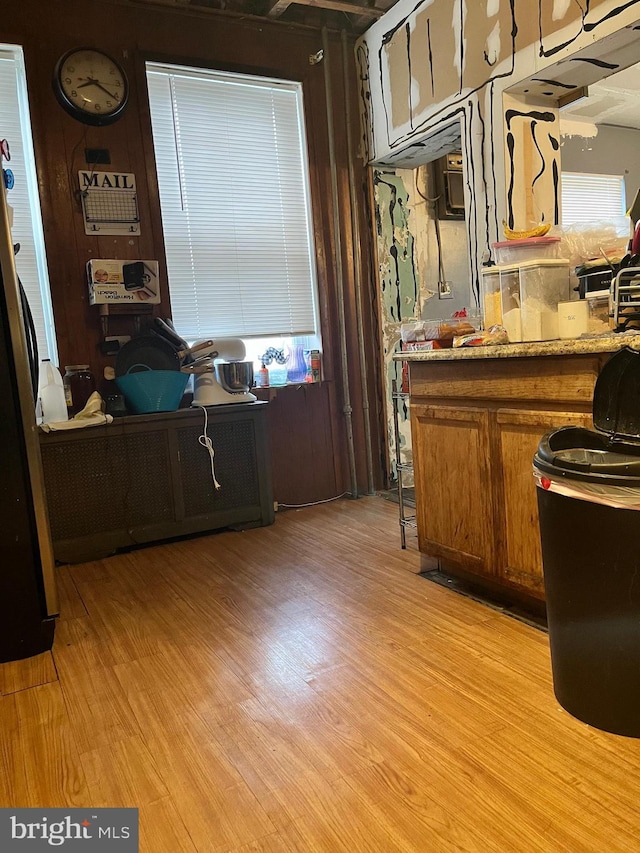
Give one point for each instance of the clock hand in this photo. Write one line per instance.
(98, 84)
(106, 91)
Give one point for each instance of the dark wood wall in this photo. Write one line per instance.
(307, 424)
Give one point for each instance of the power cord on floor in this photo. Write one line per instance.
(313, 503)
(206, 442)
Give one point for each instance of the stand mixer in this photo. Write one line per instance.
(223, 357)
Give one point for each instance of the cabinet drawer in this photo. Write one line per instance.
(563, 379)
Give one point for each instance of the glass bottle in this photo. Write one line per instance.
(79, 385)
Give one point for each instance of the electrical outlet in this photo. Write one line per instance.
(444, 290)
(275, 506)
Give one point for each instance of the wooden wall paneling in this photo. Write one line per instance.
(290, 410)
(348, 268)
(296, 477)
(364, 249)
(369, 303)
(134, 33)
(336, 475)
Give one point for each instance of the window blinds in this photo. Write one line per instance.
(27, 223)
(233, 179)
(591, 198)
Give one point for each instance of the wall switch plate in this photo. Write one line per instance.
(445, 291)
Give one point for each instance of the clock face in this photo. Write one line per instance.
(91, 86)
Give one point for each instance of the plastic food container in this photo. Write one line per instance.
(543, 284)
(573, 318)
(437, 330)
(510, 302)
(531, 249)
(491, 300)
(598, 304)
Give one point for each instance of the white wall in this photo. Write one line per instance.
(614, 151)
(494, 69)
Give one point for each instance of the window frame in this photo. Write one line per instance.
(590, 175)
(317, 249)
(16, 52)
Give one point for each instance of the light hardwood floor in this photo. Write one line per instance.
(300, 688)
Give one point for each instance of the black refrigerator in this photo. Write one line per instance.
(28, 602)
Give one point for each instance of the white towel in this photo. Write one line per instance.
(91, 415)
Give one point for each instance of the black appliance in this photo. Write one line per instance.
(27, 583)
(449, 185)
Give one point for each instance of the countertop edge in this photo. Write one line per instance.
(576, 346)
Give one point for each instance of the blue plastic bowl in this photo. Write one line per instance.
(153, 390)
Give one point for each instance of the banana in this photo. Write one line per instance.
(538, 231)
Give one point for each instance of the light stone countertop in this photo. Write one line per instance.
(575, 346)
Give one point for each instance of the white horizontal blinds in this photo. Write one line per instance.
(591, 198)
(23, 198)
(231, 161)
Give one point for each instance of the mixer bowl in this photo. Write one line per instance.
(235, 376)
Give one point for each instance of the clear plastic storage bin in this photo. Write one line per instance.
(529, 249)
(510, 302)
(599, 312)
(543, 283)
(491, 301)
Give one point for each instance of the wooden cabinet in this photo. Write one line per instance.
(518, 434)
(476, 425)
(146, 478)
(454, 507)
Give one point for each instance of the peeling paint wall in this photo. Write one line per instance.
(486, 75)
(399, 290)
(408, 275)
(495, 69)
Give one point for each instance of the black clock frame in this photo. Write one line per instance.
(95, 119)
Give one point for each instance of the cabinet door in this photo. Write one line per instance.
(519, 433)
(454, 504)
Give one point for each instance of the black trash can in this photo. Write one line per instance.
(589, 507)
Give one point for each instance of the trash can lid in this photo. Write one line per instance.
(616, 397)
(612, 454)
(575, 453)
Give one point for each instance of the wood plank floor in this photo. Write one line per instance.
(300, 688)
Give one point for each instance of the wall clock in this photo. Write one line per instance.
(90, 86)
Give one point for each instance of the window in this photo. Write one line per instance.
(234, 192)
(591, 198)
(15, 127)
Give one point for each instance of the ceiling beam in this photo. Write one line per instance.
(277, 7)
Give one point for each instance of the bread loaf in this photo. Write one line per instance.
(451, 330)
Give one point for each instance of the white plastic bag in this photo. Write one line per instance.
(586, 240)
(623, 497)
